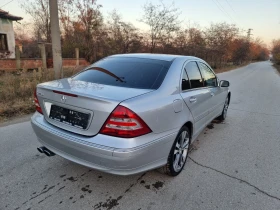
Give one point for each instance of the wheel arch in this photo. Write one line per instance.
(229, 96)
(189, 125)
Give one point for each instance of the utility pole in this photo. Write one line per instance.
(56, 44)
(249, 34)
(248, 39)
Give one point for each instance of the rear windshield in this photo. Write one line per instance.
(126, 72)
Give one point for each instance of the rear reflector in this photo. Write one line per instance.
(66, 94)
(124, 123)
(36, 102)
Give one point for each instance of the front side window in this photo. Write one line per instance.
(194, 75)
(210, 79)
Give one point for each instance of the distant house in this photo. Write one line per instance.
(7, 37)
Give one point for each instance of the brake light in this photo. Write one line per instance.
(63, 93)
(36, 101)
(123, 122)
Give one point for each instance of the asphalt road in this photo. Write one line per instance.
(233, 165)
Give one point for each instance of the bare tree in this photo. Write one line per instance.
(83, 26)
(90, 20)
(240, 50)
(218, 37)
(39, 11)
(276, 50)
(23, 35)
(123, 36)
(162, 21)
(67, 14)
(23, 31)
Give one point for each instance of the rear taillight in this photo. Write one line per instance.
(36, 102)
(123, 122)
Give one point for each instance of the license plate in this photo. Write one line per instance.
(70, 117)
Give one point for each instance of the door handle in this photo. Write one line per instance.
(212, 94)
(192, 99)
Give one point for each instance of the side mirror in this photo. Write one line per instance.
(224, 83)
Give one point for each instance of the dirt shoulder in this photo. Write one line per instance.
(14, 120)
(229, 68)
(277, 67)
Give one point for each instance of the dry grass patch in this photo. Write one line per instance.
(229, 68)
(17, 90)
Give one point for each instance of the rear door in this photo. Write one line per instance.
(210, 80)
(195, 95)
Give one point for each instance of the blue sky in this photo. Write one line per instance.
(263, 16)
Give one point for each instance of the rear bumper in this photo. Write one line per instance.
(82, 150)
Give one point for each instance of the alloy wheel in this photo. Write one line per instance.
(225, 108)
(181, 151)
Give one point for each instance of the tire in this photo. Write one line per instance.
(223, 116)
(178, 151)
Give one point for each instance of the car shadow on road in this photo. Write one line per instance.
(63, 183)
(196, 143)
(66, 183)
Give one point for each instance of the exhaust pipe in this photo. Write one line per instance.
(40, 149)
(46, 151)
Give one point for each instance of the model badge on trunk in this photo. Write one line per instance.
(63, 98)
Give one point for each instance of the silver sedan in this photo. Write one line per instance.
(130, 113)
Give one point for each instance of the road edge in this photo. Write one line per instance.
(16, 120)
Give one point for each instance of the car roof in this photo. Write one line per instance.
(165, 57)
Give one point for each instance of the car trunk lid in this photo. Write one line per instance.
(90, 102)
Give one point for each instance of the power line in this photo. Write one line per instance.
(225, 10)
(229, 4)
(279, 13)
(222, 9)
(6, 3)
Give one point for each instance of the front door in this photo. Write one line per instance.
(195, 95)
(210, 81)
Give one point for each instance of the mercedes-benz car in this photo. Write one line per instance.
(130, 113)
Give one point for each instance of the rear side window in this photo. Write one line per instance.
(126, 72)
(209, 77)
(194, 75)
